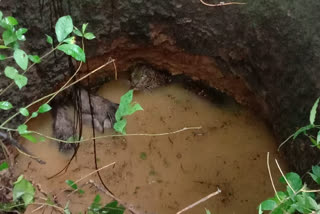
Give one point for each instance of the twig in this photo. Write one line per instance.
(115, 71)
(50, 205)
(91, 173)
(113, 197)
(115, 135)
(284, 177)
(220, 4)
(285, 142)
(273, 186)
(200, 201)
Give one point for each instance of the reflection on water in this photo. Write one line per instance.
(165, 174)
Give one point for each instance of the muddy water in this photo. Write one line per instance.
(165, 174)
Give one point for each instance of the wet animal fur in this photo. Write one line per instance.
(103, 111)
(63, 127)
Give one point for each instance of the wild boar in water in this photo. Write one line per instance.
(103, 111)
(63, 128)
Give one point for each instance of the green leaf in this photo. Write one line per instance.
(34, 114)
(81, 191)
(89, 36)
(268, 205)
(9, 37)
(2, 57)
(10, 20)
(143, 156)
(73, 50)
(30, 138)
(120, 126)
(5, 105)
(315, 174)
(44, 108)
(4, 166)
(10, 72)
(22, 129)
(301, 130)
(34, 58)
(66, 209)
(21, 81)
(24, 112)
(84, 27)
(70, 40)
(77, 32)
(3, 47)
(207, 211)
(64, 27)
(313, 111)
(21, 58)
(23, 189)
(294, 180)
(71, 184)
(49, 39)
(20, 32)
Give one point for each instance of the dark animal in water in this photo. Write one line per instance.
(103, 111)
(145, 77)
(63, 128)
(103, 115)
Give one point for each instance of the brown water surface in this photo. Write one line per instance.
(167, 173)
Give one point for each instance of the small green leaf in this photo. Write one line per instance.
(268, 205)
(24, 112)
(81, 191)
(313, 111)
(44, 108)
(30, 138)
(84, 27)
(4, 166)
(207, 211)
(2, 57)
(34, 58)
(66, 209)
(70, 40)
(8, 37)
(10, 20)
(34, 114)
(22, 129)
(20, 32)
(89, 36)
(3, 47)
(120, 126)
(73, 50)
(315, 174)
(23, 189)
(64, 27)
(21, 81)
(77, 32)
(21, 58)
(294, 180)
(143, 156)
(5, 105)
(71, 184)
(49, 39)
(10, 72)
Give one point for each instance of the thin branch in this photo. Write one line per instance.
(220, 4)
(286, 140)
(115, 135)
(271, 179)
(200, 201)
(284, 177)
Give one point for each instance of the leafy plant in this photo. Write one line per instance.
(125, 108)
(110, 208)
(74, 186)
(23, 190)
(296, 198)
